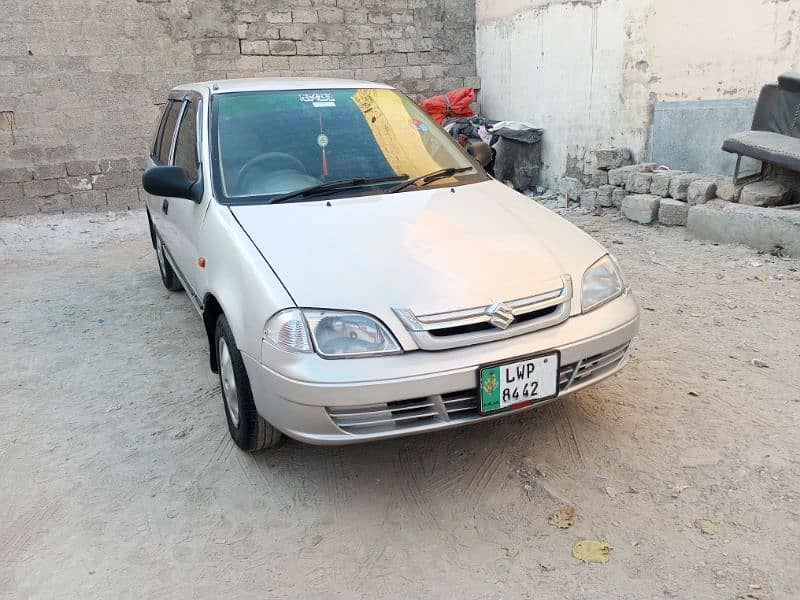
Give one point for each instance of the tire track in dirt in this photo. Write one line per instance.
(564, 431)
(20, 534)
(411, 482)
(334, 473)
(482, 476)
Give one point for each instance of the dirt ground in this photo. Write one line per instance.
(118, 478)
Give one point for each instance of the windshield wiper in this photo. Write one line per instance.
(429, 178)
(335, 186)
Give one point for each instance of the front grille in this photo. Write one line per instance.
(456, 407)
(480, 324)
(477, 327)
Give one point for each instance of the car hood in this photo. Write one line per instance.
(429, 250)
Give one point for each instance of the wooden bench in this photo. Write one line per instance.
(774, 138)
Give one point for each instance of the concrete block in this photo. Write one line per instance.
(765, 193)
(57, 203)
(605, 195)
(14, 208)
(673, 212)
(15, 175)
(609, 158)
(77, 168)
(40, 188)
(571, 188)
(109, 180)
(89, 201)
(642, 208)
(589, 198)
(679, 186)
(726, 190)
(122, 199)
(74, 184)
(701, 191)
(659, 186)
(599, 178)
(114, 165)
(639, 183)
(620, 176)
(617, 196)
(11, 191)
(43, 172)
(758, 227)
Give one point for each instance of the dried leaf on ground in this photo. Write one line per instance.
(706, 526)
(762, 278)
(592, 551)
(563, 517)
(693, 393)
(759, 363)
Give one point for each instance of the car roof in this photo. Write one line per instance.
(258, 84)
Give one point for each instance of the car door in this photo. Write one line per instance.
(183, 218)
(161, 155)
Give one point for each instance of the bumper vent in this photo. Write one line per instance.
(435, 412)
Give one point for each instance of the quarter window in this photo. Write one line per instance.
(186, 144)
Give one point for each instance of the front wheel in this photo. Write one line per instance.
(247, 428)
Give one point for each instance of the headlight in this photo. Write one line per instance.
(334, 334)
(602, 283)
(287, 331)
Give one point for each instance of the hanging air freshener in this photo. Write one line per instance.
(322, 142)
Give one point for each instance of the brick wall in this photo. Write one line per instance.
(83, 80)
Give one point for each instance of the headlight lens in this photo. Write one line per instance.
(334, 334)
(287, 331)
(340, 334)
(602, 283)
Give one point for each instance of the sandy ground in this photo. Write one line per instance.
(118, 479)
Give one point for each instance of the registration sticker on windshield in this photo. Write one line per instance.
(318, 99)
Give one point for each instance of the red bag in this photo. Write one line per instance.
(453, 104)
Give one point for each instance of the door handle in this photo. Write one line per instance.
(165, 206)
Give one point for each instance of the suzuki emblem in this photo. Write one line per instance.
(500, 315)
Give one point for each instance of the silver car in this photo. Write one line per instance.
(359, 275)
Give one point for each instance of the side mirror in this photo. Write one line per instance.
(172, 182)
(481, 152)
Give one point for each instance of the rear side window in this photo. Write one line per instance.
(164, 140)
(186, 143)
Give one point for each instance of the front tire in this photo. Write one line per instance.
(249, 431)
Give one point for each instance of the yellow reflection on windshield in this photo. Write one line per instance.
(399, 135)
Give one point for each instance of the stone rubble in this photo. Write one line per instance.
(764, 193)
(701, 191)
(642, 208)
(673, 212)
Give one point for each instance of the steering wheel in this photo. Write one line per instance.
(270, 162)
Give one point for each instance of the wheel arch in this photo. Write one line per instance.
(212, 310)
(152, 228)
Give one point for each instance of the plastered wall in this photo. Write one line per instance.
(590, 71)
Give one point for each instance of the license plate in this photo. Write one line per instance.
(519, 384)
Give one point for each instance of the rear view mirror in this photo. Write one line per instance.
(172, 182)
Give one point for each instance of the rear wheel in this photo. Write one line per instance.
(168, 276)
(247, 428)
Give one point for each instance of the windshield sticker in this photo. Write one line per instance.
(419, 126)
(318, 99)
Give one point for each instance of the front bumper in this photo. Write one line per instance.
(355, 400)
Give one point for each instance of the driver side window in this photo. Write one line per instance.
(186, 143)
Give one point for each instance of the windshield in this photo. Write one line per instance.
(269, 144)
